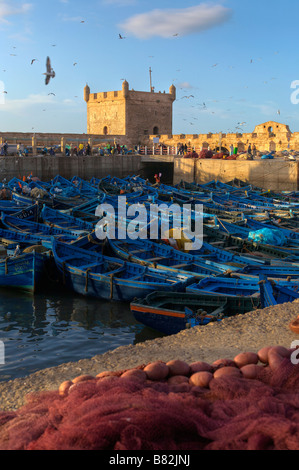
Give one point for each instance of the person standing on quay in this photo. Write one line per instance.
(254, 150)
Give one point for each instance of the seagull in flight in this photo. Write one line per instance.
(33, 60)
(51, 94)
(50, 72)
(120, 36)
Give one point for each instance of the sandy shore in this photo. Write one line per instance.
(249, 332)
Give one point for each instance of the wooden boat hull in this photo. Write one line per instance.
(272, 294)
(57, 219)
(247, 287)
(94, 275)
(23, 272)
(172, 313)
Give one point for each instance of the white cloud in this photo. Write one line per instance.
(8, 9)
(185, 85)
(19, 105)
(169, 22)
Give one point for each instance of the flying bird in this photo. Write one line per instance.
(75, 64)
(50, 72)
(120, 36)
(51, 94)
(176, 34)
(33, 60)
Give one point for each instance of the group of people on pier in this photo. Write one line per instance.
(75, 151)
(81, 149)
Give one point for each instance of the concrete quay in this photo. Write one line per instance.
(277, 174)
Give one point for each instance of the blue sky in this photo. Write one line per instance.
(232, 61)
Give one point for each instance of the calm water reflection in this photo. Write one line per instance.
(55, 327)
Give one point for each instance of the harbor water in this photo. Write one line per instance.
(54, 327)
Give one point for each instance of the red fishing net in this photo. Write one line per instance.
(118, 413)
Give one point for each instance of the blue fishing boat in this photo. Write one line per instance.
(161, 256)
(52, 201)
(58, 219)
(12, 207)
(27, 212)
(88, 207)
(22, 272)
(286, 270)
(235, 286)
(103, 277)
(35, 228)
(173, 312)
(241, 231)
(256, 225)
(273, 294)
(9, 237)
(85, 188)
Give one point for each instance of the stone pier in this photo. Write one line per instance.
(276, 174)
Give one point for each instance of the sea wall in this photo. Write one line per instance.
(47, 167)
(274, 174)
(279, 175)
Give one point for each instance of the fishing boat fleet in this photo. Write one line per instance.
(248, 258)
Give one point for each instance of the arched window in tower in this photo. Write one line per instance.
(105, 130)
(270, 131)
(156, 130)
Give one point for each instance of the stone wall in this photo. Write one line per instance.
(47, 167)
(276, 175)
(266, 137)
(281, 138)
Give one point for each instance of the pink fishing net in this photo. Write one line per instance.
(118, 413)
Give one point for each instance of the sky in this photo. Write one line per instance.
(233, 62)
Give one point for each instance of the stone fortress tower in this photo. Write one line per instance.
(129, 113)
